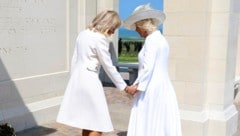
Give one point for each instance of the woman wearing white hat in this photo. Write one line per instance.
(155, 109)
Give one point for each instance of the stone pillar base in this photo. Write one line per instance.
(33, 114)
(209, 123)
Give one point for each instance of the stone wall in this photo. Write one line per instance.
(203, 42)
(34, 59)
(238, 51)
(37, 40)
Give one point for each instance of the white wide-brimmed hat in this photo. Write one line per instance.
(144, 12)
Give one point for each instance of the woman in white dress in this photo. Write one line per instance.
(155, 109)
(84, 104)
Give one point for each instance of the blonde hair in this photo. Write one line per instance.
(148, 25)
(105, 21)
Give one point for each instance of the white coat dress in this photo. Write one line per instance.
(84, 104)
(155, 108)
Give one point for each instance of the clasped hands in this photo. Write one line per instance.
(132, 90)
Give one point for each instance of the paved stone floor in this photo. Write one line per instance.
(119, 106)
(56, 129)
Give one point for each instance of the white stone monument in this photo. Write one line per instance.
(34, 59)
(37, 39)
(203, 40)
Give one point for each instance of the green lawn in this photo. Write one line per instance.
(127, 59)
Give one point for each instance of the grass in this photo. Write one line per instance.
(127, 58)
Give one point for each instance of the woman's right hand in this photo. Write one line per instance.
(131, 89)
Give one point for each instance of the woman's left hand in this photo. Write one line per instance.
(131, 89)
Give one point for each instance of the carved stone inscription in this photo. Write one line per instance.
(32, 37)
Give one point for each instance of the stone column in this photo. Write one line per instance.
(203, 39)
(112, 5)
(87, 11)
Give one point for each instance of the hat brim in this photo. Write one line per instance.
(159, 16)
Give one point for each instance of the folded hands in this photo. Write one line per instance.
(132, 90)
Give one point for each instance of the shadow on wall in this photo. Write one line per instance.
(237, 104)
(12, 107)
(122, 133)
